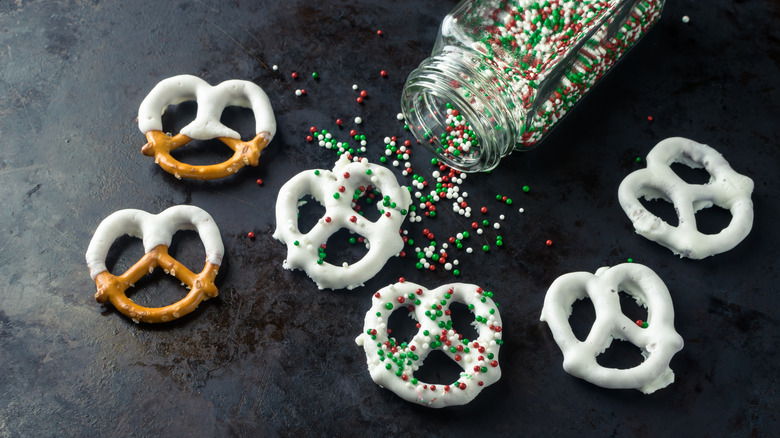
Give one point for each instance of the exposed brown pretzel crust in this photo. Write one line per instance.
(160, 146)
(112, 288)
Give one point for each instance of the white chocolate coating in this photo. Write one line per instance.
(382, 351)
(383, 235)
(211, 102)
(726, 189)
(154, 230)
(658, 342)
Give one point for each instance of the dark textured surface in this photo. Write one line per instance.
(275, 356)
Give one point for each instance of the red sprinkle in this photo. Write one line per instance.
(379, 32)
(259, 181)
(363, 93)
(383, 73)
(250, 235)
(548, 243)
(294, 75)
(359, 100)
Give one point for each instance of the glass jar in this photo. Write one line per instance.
(504, 72)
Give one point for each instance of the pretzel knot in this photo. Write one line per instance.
(156, 231)
(392, 364)
(211, 102)
(337, 191)
(658, 341)
(726, 189)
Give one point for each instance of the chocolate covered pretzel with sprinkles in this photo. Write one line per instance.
(393, 364)
(338, 192)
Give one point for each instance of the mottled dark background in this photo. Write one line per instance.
(273, 355)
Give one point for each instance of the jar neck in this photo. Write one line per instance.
(457, 81)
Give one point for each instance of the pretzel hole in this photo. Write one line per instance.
(344, 246)
(620, 355)
(631, 308)
(691, 175)
(123, 254)
(712, 220)
(310, 211)
(241, 120)
(401, 326)
(188, 249)
(438, 369)
(176, 117)
(369, 202)
(203, 152)
(463, 321)
(662, 209)
(157, 289)
(582, 318)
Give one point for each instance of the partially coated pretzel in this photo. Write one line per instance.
(156, 231)
(726, 189)
(336, 191)
(211, 102)
(392, 364)
(658, 341)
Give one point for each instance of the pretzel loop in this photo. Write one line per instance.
(726, 189)
(335, 191)
(207, 125)
(156, 232)
(658, 341)
(392, 364)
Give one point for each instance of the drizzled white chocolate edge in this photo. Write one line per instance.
(211, 102)
(154, 230)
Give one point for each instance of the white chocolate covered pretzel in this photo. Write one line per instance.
(658, 341)
(336, 191)
(392, 364)
(726, 189)
(156, 231)
(207, 125)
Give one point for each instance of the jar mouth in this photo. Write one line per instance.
(450, 117)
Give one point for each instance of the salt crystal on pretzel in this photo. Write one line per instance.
(658, 341)
(207, 125)
(726, 189)
(156, 231)
(334, 191)
(392, 364)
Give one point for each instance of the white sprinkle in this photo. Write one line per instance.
(686, 19)
(275, 67)
(399, 116)
(354, 87)
(521, 210)
(297, 92)
(358, 120)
